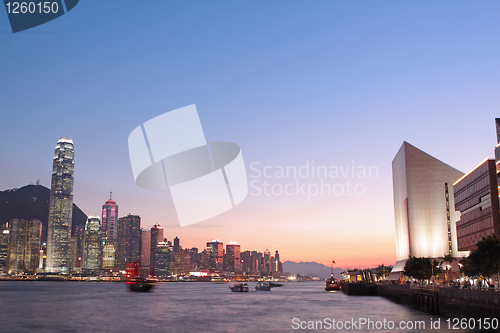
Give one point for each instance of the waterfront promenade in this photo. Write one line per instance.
(445, 301)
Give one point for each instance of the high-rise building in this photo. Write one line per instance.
(177, 245)
(92, 247)
(181, 263)
(108, 256)
(267, 261)
(156, 237)
(424, 206)
(278, 266)
(60, 207)
(162, 260)
(233, 261)
(128, 248)
(109, 219)
(476, 196)
(24, 246)
(215, 256)
(145, 247)
(4, 245)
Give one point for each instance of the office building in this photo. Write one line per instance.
(232, 258)
(60, 207)
(92, 247)
(156, 237)
(424, 206)
(4, 245)
(177, 245)
(23, 254)
(145, 247)
(109, 219)
(108, 256)
(215, 256)
(128, 248)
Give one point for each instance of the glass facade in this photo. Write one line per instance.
(92, 244)
(109, 219)
(60, 207)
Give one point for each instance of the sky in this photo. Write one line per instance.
(339, 84)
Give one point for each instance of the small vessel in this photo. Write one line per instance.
(135, 281)
(141, 284)
(239, 287)
(332, 283)
(274, 284)
(263, 286)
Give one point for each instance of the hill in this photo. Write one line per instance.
(310, 268)
(32, 202)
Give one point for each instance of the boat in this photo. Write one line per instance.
(239, 287)
(274, 284)
(141, 284)
(332, 283)
(135, 281)
(263, 286)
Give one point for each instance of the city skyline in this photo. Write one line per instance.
(338, 84)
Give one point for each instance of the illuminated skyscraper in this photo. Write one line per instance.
(128, 248)
(156, 237)
(60, 207)
(24, 246)
(109, 219)
(215, 257)
(146, 247)
(92, 244)
(233, 263)
(424, 206)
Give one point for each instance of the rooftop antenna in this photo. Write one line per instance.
(111, 193)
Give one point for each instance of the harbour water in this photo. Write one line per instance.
(196, 307)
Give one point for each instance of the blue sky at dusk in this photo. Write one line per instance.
(340, 83)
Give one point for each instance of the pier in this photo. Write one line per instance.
(446, 301)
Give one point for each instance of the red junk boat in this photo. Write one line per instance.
(135, 281)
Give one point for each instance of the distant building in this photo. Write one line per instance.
(424, 206)
(163, 257)
(267, 261)
(145, 247)
(128, 248)
(233, 260)
(177, 245)
(181, 263)
(24, 246)
(108, 255)
(60, 207)
(156, 237)
(4, 245)
(92, 247)
(109, 219)
(215, 256)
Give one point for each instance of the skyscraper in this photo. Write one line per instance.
(92, 244)
(24, 246)
(145, 247)
(215, 258)
(424, 206)
(128, 248)
(233, 263)
(60, 207)
(177, 245)
(109, 219)
(156, 236)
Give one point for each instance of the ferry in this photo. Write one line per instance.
(239, 287)
(263, 286)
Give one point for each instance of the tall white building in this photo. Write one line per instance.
(424, 206)
(60, 207)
